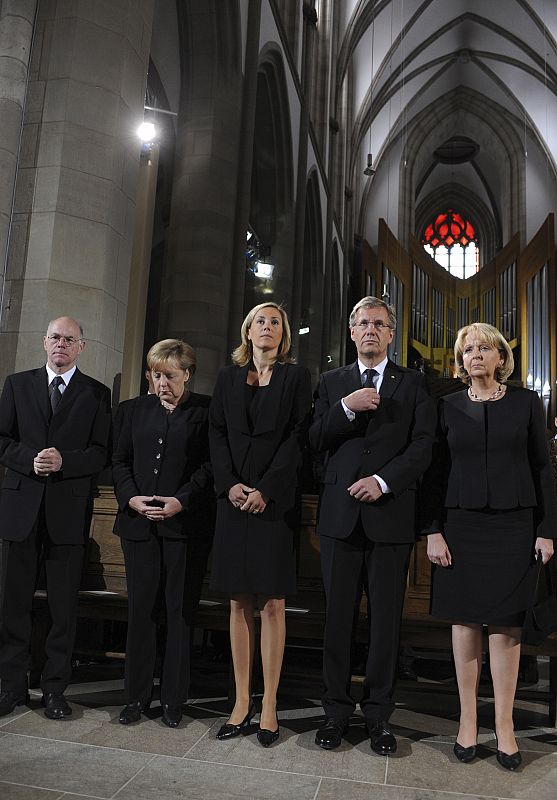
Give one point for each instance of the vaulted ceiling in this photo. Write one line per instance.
(414, 76)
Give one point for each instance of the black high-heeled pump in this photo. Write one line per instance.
(228, 731)
(266, 737)
(510, 762)
(465, 754)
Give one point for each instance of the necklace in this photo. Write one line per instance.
(497, 393)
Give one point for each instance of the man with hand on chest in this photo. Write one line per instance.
(375, 423)
(55, 427)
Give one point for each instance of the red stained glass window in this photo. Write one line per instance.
(451, 240)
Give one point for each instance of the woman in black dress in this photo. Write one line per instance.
(164, 487)
(491, 498)
(258, 422)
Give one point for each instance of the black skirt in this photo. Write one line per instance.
(491, 579)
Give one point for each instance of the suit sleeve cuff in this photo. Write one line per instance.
(350, 414)
(384, 488)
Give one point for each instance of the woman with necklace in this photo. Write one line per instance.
(164, 487)
(490, 506)
(258, 425)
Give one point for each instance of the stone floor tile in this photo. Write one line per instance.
(434, 767)
(101, 727)
(296, 752)
(174, 779)
(17, 713)
(10, 791)
(350, 790)
(66, 766)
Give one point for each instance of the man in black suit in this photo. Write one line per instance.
(55, 425)
(375, 422)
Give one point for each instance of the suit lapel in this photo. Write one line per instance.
(351, 378)
(238, 411)
(40, 393)
(271, 401)
(392, 379)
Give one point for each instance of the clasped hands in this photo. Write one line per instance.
(165, 507)
(247, 498)
(47, 461)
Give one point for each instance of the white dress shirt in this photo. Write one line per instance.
(66, 377)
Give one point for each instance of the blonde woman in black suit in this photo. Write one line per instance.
(491, 500)
(258, 421)
(163, 484)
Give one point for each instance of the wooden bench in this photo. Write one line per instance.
(103, 594)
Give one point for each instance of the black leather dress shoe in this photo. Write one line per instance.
(266, 737)
(465, 754)
(9, 700)
(382, 741)
(132, 712)
(228, 731)
(510, 762)
(330, 734)
(171, 715)
(56, 705)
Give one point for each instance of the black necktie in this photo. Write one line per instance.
(367, 378)
(55, 393)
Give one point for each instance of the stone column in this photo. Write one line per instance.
(72, 227)
(195, 301)
(16, 35)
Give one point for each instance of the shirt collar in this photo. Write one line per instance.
(379, 368)
(66, 376)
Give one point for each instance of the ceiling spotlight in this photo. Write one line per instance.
(370, 169)
(147, 131)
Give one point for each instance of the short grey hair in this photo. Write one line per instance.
(372, 302)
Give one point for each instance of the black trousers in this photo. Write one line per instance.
(21, 565)
(156, 570)
(386, 567)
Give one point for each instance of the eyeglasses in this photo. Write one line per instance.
(378, 324)
(67, 340)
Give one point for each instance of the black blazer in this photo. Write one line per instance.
(394, 442)
(80, 430)
(164, 454)
(491, 455)
(274, 446)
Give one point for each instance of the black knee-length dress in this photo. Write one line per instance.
(256, 437)
(490, 491)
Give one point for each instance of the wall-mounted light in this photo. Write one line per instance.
(147, 132)
(263, 270)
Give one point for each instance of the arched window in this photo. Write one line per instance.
(451, 240)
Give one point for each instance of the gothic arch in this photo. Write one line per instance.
(272, 170)
(465, 111)
(466, 202)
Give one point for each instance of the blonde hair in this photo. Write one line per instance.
(243, 354)
(172, 350)
(493, 337)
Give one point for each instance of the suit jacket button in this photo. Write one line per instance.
(158, 455)
(156, 472)
(160, 440)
